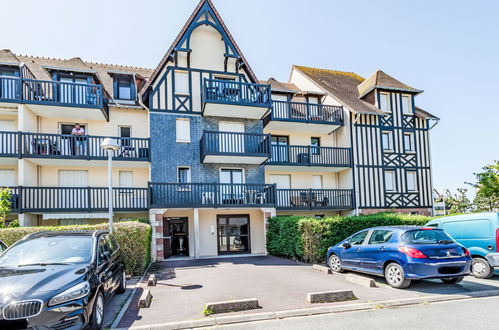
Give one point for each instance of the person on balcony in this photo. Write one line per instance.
(80, 139)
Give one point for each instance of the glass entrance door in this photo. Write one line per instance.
(233, 234)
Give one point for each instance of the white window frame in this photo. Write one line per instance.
(409, 147)
(393, 181)
(186, 136)
(389, 147)
(184, 186)
(232, 168)
(388, 101)
(414, 176)
(180, 89)
(406, 110)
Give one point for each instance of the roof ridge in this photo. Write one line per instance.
(349, 73)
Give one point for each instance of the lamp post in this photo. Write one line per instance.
(110, 145)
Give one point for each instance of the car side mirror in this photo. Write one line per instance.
(346, 245)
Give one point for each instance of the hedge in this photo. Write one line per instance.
(308, 239)
(134, 238)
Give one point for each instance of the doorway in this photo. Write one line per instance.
(233, 234)
(175, 237)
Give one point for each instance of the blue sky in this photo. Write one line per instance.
(447, 48)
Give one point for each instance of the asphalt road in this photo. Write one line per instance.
(476, 314)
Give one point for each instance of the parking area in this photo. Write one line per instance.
(184, 287)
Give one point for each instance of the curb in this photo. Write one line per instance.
(213, 321)
(123, 309)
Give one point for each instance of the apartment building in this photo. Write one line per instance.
(58, 178)
(208, 152)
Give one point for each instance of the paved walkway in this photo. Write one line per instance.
(184, 287)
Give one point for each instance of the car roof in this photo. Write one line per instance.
(397, 228)
(468, 216)
(91, 233)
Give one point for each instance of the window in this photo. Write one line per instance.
(406, 104)
(387, 140)
(183, 130)
(103, 249)
(390, 181)
(358, 239)
(315, 143)
(125, 132)
(384, 102)
(73, 178)
(409, 142)
(411, 181)
(181, 82)
(7, 178)
(282, 181)
(124, 87)
(126, 179)
(317, 181)
(66, 129)
(380, 236)
(280, 97)
(183, 174)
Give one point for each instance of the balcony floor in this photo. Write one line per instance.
(300, 126)
(231, 159)
(87, 163)
(234, 111)
(67, 111)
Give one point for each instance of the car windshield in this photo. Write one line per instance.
(49, 250)
(427, 236)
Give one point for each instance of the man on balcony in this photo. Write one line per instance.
(80, 141)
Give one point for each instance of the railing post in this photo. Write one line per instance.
(309, 161)
(310, 198)
(20, 200)
(89, 208)
(20, 144)
(149, 195)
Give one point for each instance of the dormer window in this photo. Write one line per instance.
(406, 105)
(384, 102)
(124, 87)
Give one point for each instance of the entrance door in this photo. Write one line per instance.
(175, 237)
(231, 142)
(233, 234)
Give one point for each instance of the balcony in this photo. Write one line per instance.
(304, 117)
(77, 199)
(309, 158)
(46, 97)
(314, 199)
(225, 98)
(219, 195)
(60, 146)
(234, 148)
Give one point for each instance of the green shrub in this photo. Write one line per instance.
(315, 236)
(134, 238)
(283, 237)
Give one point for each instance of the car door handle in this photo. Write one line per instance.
(382, 248)
(358, 250)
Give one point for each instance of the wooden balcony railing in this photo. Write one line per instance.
(305, 112)
(235, 144)
(51, 92)
(80, 199)
(313, 199)
(310, 156)
(211, 195)
(44, 145)
(236, 93)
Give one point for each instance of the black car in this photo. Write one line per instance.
(59, 280)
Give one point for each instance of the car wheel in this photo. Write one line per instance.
(122, 286)
(480, 268)
(97, 312)
(335, 263)
(452, 280)
(394, 275)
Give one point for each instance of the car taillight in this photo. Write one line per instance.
(411, 252)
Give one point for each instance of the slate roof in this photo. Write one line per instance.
(382, 80)
(40, 66)
(343, 86)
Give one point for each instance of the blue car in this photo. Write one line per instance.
(402, 254)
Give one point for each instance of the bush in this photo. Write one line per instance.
(134, 238)
(308, 239)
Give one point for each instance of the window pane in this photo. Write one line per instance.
(358, 239)
(380, 236)
(390, 181)
(384, 102)
(406, 104)
(124, 90)
(125, 131)
(387, 141)
(411, 181)
(181, 82)
(126, 179)
(184, 174)
(183, 130)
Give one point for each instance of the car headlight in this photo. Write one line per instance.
(76, 292)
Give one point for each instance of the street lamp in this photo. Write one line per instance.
(110, 145)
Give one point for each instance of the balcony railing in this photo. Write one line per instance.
(211, 195)
(312, 199)
(87, 199)
(43, 145)
(235, 144)
(236, 93)
(310, 156)
(305, 112)
(51, 92)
